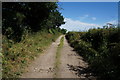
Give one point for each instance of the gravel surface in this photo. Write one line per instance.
(71, 64)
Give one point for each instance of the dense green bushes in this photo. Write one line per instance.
(101, 48)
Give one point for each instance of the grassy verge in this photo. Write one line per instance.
(57, 63)
(16, 56)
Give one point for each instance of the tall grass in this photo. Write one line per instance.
(16, 56)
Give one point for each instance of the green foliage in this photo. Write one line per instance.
(50, 31)
(17, 55)
(63, 31)
(27, 16)
(101, 48)
(73, 36)
(27, 28)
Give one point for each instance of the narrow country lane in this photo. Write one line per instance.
(43, 66)
(71, 64)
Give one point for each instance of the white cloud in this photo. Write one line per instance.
(115, 22)
(93, 18)
(76, 25)
(84, 17)
(87, 17)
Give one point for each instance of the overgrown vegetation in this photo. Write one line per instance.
(17, 56)
(27, 29)
(101, 48)
(20, 18)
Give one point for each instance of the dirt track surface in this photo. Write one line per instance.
(71, 64)
(43, 66)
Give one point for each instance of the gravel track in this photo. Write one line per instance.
(71, 64)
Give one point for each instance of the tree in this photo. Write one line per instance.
(34, 16)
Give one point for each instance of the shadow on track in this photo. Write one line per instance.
(82, 72)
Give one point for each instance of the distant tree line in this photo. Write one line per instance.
(21, 17)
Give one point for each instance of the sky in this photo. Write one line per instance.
(81, 16)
